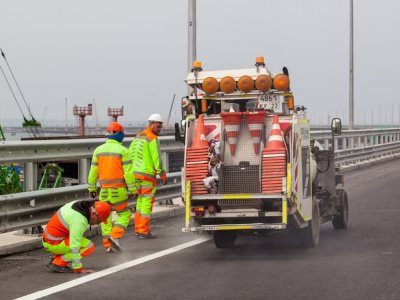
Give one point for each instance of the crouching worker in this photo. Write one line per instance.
(63, 235)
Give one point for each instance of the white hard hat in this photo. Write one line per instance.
(155, 118)
(185, 102)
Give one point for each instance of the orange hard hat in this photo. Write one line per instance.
(103, 210)
(115, 127)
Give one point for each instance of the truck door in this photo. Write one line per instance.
(301, 185)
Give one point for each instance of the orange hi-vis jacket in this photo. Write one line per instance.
(146, 156)
(112, 166)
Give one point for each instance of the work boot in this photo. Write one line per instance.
(60, 269)
(109, 250)
(136, 234)
(115, 243)
(148, 236)
(50, 262)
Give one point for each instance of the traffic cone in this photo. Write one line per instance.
(275, 141)
(200, 140)
(232, 125)
(197, 159)
(255, 122)
(274, 161)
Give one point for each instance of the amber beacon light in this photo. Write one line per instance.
(245, 84)
(210, 85)
(260, 61)
(290, 100)
(263, 83)
(281, 82)
(228, 84)
(197, 66)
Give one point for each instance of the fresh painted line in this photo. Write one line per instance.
(97, 275)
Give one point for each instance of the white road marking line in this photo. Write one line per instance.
(129, 264)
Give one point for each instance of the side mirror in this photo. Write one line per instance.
(336, 126)
(180, 131)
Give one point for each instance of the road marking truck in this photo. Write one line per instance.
(249, 162)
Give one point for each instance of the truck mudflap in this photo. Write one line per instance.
(254, 226)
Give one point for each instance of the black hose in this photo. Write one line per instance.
(15, 80)
(12, 92)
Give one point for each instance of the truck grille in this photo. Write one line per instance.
(239, 203)
(243, 178)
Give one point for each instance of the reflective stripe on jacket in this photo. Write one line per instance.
(146, 155)
(67, 222)
(112, 166)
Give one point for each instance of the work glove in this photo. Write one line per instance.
(163, 178)
(132, 195)
(92, 195)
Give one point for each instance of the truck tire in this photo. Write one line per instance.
(309, 236)
(224, 239)
(341, 220)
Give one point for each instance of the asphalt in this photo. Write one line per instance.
(17, 242)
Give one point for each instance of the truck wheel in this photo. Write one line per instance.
(341, 220)
(224, 239)
(309, 236)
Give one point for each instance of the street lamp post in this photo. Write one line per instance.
(191, 36)
(351, 72)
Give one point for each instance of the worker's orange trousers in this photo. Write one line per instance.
(62, 251)
(146, 190)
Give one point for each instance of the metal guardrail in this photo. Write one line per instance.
(34, 208)
(358, 147)
(30, 209)
(56, 150)
(358, 156)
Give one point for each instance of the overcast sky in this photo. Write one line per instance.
(134, 53)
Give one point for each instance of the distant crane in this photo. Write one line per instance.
(170, 109)
(44, 114)
(96, 118)
(66, 113)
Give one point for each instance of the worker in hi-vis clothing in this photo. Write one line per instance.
(63, 234)
(147, 163)
(112, 167)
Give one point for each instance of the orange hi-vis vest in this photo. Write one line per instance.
(112, 166)
(56, 230)
(111, 173)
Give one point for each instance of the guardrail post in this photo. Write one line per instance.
(326, 143)
(30, 177)
(351, 142)
(83, 170)
(344, 143)
(165, 160)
